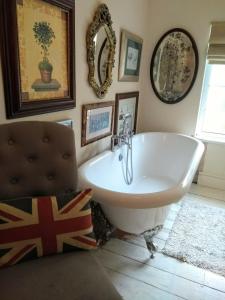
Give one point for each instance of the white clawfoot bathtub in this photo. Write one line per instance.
(164, 165)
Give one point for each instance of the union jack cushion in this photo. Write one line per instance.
(34, 227)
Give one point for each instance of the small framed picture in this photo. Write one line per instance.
(97, 121)
(126, 103)
(130, 56)
(68, 123)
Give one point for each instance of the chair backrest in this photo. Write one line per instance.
(36, 158)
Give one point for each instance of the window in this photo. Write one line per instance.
(211, 118)
(212, 109)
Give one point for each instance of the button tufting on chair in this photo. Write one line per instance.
(45, 139)
(66, 156)
(50, 177)
(32, 158)
(14, 180)
(11, 142)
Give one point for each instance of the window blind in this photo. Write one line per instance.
(216, 48)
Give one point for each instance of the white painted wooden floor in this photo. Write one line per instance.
(137, 277)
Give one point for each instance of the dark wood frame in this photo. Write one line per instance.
(196, 64)
(15, 108)
(85, 109)
(120, 97)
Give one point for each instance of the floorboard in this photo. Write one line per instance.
(161, 262)
(130, 288)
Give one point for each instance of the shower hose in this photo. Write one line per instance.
(129, 161)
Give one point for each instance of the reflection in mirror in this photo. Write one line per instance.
(102, 47)
(174, 66)
(101, 43)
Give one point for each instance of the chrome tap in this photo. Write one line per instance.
(122, 139)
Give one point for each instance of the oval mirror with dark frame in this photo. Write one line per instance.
(174, 66)
(101, 44)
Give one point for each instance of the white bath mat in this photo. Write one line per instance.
(198, 236)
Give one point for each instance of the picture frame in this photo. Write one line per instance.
(126, 103)
(130, 56)
(174, 66)
(67, 122)
(97, 121)
(37, 40)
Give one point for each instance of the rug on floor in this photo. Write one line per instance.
(198, 236)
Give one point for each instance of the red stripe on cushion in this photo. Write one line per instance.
(9, 216)
(86, 241)
(77, 200)
(47, 230)
(18, 255)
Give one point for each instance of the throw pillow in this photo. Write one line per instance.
(35, 227)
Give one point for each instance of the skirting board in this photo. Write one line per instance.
(211, 180)
(207, 192)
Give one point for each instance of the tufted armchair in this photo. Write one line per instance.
(38, 159)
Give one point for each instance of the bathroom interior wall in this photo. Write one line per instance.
(131, 15)
(195, 17)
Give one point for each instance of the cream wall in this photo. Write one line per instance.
(128, 14)
(195, 16)
(213, 172)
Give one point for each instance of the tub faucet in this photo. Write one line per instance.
(122, 139)
(126, 129)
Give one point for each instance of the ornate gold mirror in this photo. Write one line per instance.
(101, 44)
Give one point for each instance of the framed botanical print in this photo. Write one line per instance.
(37, 45)
(130, 56)
(126, 103)
(97, 120)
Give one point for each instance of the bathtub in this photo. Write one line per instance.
(164, 165)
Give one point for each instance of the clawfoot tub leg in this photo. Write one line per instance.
(148, 236)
